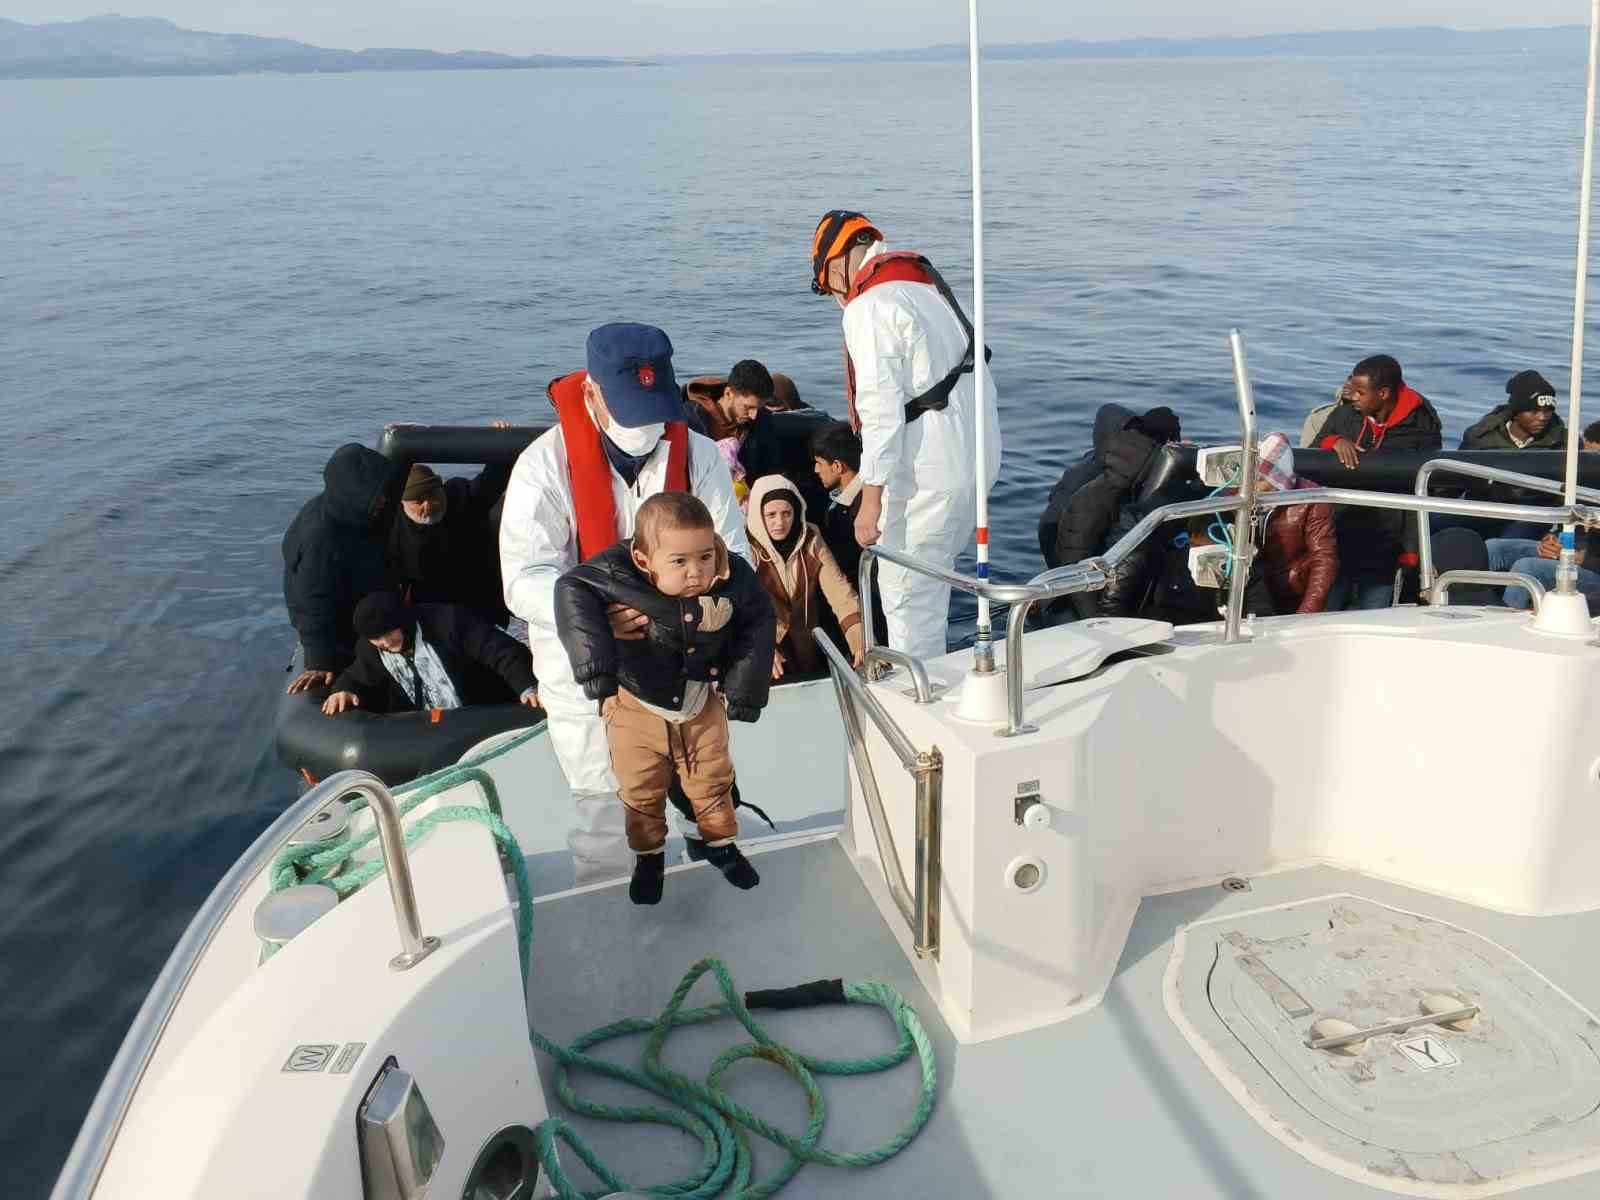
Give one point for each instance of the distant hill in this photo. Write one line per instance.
(115, 45)
(1421, 39)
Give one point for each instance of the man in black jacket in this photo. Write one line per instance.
(709, 622)
(1384, 416)
(427, 656)
(736, 407)
(444, 545)
(1157, 426)
(835, 460)
(334, 554)
(1528, 420)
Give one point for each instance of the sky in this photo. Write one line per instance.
(642, 27)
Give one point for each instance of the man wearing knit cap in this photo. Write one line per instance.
(429, 656)
(1526, 421)
(442, 547)
(619, 439)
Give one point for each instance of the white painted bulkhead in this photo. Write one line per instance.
(1384, 742)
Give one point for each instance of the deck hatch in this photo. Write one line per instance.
(1495, 1099)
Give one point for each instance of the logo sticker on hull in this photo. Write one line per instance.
(1429, 1052)
(308, 1059)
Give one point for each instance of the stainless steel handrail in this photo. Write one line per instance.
(1086, 576)
(1150, 522)
(92, 1147)
(1092, 573)
(1451, 466)
(920, 907)
(898, 658)
(1440, 590)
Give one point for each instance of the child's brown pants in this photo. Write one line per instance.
(647, 749)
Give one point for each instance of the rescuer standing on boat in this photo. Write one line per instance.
(909, 358)
(620, 438)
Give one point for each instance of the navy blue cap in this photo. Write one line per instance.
(633, 366)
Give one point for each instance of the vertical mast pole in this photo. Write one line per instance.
(983, 648)
(1567, 568)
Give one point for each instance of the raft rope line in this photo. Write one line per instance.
(701, 1108)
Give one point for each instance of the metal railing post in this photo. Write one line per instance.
(929, 870)
(867, 578)
(414, 944)
(918, 904)
(1016, 676)
(1244, 521)
(1442, 585)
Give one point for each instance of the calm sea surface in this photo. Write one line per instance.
(207, 284)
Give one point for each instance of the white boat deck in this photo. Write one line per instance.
(1114, 1102)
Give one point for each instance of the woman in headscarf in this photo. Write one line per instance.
(794, 564)
(1299, 549)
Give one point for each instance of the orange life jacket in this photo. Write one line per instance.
(590, 471)
(905, 266)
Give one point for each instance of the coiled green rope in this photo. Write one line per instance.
(701, 1108)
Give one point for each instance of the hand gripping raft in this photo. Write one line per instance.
(701, 1108)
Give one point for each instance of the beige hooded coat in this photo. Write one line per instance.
(794, 581)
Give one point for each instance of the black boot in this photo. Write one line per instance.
(695, 848)
(649, 871)
(734, 866)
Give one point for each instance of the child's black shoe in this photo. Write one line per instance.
(694, 848)
(649, 872)
(734, 866)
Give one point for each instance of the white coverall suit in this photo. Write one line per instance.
(903, 339)
(539, 543)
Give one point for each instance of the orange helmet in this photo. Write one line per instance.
(836, 233)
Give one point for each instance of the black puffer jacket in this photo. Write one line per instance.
(334, 552)
(725, 637)
(456, 561)
(1089, 515)
(1111, 419)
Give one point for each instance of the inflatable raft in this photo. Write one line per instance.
(400, 746)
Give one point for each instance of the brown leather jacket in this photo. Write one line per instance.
(1300, 556)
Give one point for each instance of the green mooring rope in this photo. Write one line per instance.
(701, 1108)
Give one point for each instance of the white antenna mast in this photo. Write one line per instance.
(1567, 573)
(983, 649)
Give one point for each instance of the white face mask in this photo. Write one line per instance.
(638, 441)
(635, 442)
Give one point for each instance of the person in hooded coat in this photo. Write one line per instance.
(335, 553)
(794, 564)
(410, 658)
(443, 545)
(1090, 513)
(1109, 420)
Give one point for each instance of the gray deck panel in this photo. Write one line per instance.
(1112, 1103)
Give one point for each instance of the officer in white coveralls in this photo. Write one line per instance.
(620, 438)
(909, 358)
